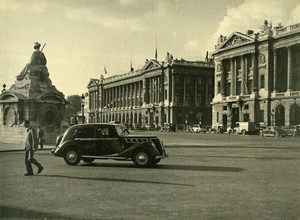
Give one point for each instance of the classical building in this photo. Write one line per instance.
(173, 91)
(257, 77)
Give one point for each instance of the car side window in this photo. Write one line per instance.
(85, 133)
(105, 132)
(99, 133)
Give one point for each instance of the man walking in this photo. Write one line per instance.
(31, 145)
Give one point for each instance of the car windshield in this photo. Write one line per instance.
(122, 129)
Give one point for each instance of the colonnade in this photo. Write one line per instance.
(240, 72)
(290, 74)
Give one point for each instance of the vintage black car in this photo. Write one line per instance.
(88, 142)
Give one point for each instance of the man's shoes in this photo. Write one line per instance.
(28, 174)
(40, 170)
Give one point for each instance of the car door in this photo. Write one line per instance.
(107, 141)
(85, 140)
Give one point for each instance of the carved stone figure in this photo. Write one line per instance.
(220, 41)
(36, 66)
(169, 57)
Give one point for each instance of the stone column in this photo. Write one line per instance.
(232, 92)
(275, 72)
(126, 96)
(173, 89)
(289, 69)
(243, 75)
(157, 89)
(196, 91)
(255, 73)
(222, 82)
(184, 90)
(144, 91)
(106, 98)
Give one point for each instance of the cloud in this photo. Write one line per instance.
(252, 13)
(38, 6)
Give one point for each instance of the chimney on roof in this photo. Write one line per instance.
(249, 32)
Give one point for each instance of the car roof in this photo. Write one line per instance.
(95, 124)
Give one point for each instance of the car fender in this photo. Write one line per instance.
(148, 146)
(61, 148)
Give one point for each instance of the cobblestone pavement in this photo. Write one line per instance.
(256, 180)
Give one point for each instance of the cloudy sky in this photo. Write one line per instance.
(84, 36)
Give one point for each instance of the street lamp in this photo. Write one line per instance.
(82, 107)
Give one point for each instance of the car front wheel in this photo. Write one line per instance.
(72, 156)
(141, 158)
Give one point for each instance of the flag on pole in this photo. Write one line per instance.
(105, 71)
(155, 48)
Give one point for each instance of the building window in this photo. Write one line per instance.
(250, 86)
(210, 82)
(166, 94)
(199, 98)
(246, 117)
(225, 108)
(176, 79)
(246, 107)
(238, 87)
(261, 115)
(188, 80)
(219, 88)
(262, 81)
(199, 81)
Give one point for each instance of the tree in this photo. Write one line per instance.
(72, 107)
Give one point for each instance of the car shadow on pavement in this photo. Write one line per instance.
(200, 168)
(172, 167)
(114, 180)
(7, 212)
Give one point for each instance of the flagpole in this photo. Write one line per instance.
(155, 47)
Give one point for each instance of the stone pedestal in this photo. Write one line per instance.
(33, 98)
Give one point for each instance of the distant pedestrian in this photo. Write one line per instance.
(40, 136)
(31, 145)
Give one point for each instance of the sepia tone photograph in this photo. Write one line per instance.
(149, 109)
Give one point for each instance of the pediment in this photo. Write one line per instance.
(152, 64)
(236, 39)
(93, 82)
(51, 97)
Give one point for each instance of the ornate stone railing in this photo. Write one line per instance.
(295, 93)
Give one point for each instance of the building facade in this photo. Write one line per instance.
(257, 77)
(174, 92)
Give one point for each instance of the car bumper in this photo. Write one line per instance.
(161, 157)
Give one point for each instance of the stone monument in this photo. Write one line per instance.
(33, 98)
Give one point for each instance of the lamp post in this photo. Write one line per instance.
(82, 107)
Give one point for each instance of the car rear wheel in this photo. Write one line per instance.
(88, 160)
(243, 132)
(72, 156)
(141, 158)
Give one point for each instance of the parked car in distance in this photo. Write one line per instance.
(273, 131)
(245, 128)
(292, 130)
(88, 142)
(197, 128)
(216, 129)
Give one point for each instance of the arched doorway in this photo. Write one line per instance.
(10, 118)
(295, 114)
(279, 116)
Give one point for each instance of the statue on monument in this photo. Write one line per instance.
(36, 66)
